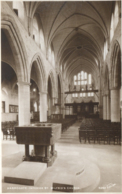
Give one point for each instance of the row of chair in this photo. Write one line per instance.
(97, 130)
(100, 136)
(8, 129)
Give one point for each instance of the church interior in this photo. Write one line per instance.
(61, 96)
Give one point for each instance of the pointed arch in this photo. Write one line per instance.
(13, 34)
(42, 75)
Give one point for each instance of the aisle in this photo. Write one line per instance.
(70, 135)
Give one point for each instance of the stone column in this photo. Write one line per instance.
(104, 107)
(115, 105)
(100, 107)
(108, 107)
(63, 112)
(63, 105)
(43, 106)
(24, 103)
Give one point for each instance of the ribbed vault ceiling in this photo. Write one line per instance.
(77, 31)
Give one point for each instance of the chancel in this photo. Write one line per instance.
(61, 96)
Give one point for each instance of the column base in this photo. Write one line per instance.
(49, 160)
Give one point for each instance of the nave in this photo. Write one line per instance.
(61, 61)
(92, 160)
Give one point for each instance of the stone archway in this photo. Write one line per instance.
(37, 73)
(12, 33)
(8, 25)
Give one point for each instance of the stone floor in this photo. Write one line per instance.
(72, 157)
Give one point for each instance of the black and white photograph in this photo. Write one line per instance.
(61, 98)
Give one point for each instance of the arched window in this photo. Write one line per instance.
(83, 81)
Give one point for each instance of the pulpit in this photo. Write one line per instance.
(43, 136)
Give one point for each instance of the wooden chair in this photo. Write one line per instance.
(112, 136)
(82, 135)
(100, 136)
(91, 135)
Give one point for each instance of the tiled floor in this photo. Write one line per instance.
(72, 157)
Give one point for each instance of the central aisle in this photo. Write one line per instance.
(70, 135)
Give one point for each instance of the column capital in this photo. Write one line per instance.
(23, 83)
